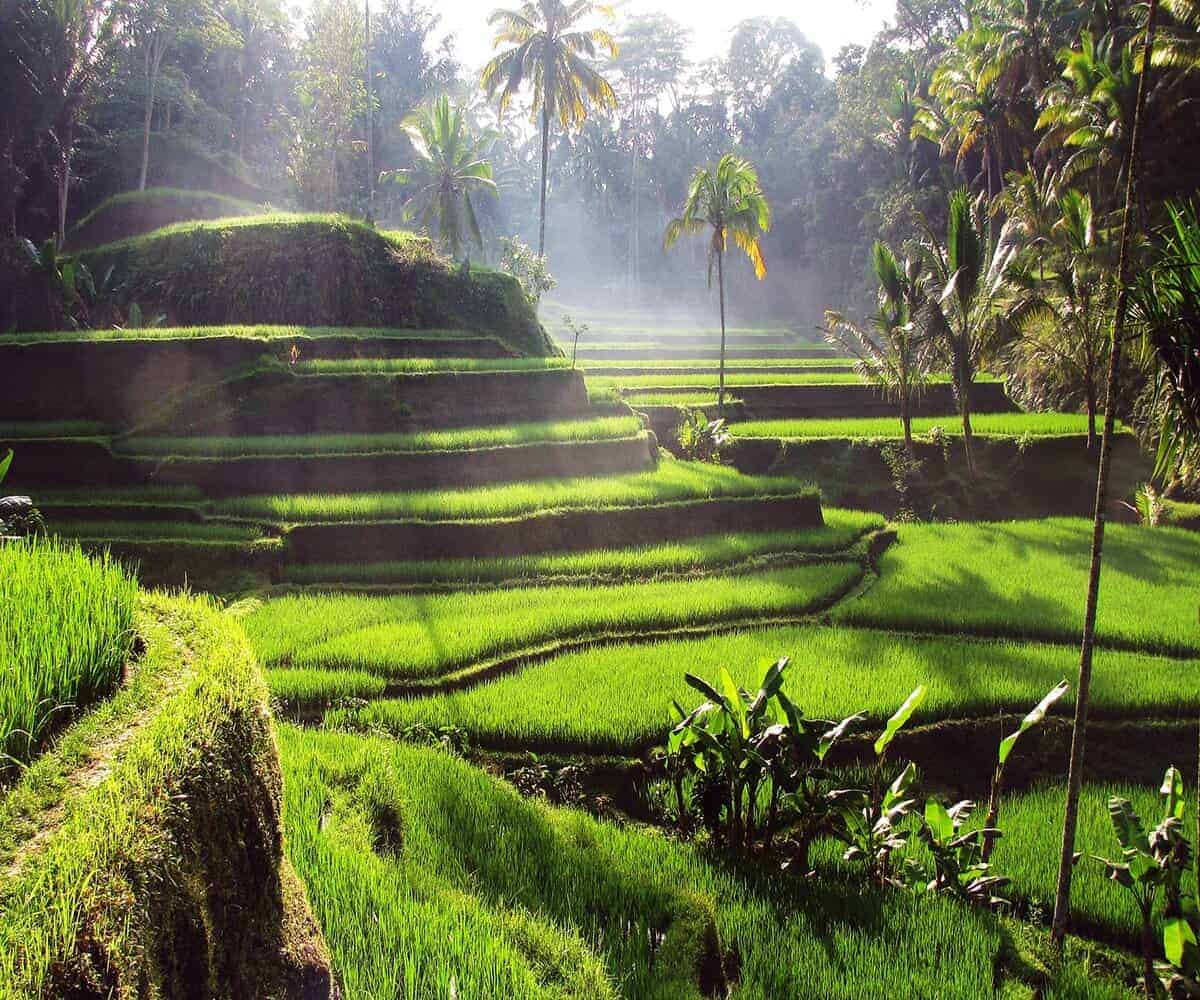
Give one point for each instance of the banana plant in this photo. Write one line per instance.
(1153, 865)
(66, 280)
(956, 866)
(871, 819)
(1034, 718)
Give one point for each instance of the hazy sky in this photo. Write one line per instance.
(829, 23)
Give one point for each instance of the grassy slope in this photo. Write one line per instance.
(983, 425)
(65, 637)
(177, 745)
(312, 270)
(267, 333)
(405, 366)
(568, 701)
(455, 439)
(736, 379)
(669, 482)
(400, 852)
(422, 636)
(1027, 579)
(842, 528)
(132, 213)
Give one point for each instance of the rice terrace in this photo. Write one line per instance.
(571, 502)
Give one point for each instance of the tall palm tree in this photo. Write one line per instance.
(1066, 860)
(451, 165)
(966, 321)
(550, 49)
(726, 199)
(891, 354)
(1061, 312)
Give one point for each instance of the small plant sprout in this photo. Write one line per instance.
(577, 329)
(1034, 718)
(1147, 506)
(871, 819)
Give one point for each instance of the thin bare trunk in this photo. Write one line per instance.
(154, 54)
(545, 164)
(64, 190)
(721, 293)
(1062, 901)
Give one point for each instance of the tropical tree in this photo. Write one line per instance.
(965, 322)
(1066, 860)
(451, 165)
(549, 49)
(1061, 310)
(891, 353)
(727, 200)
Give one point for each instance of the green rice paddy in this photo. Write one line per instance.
(264, 332)
(149, 531)
(842, 528)
(671, 481)
(1027, 580)
(66, 632)
(454, 439)
(982, 424)
(419, 897)
(427, 635)
(567, 702)
(423, 366)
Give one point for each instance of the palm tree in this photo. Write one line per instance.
(966, 320)
(892, 354)
(1066, 860)
(549, 49)
(1060, 313)
(728, 200)
(451, 165)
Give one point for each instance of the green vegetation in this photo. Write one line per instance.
(456, 439)
(424, 636)
(737, 380)
(334, 271)
(842, 528)
(420, 366)
(173, 779)
(65, 637)
(46, 429)
(1025, 579)
(642, 397)
(567, 701)
(671, 481)
(399, 850)
(268, 333)
(983, 425)
(149, 531)
(669, 365)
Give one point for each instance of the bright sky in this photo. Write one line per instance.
(829, 23)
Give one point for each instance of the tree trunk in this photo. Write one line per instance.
(906, 421)
(1062, 901)
(370, 115)
(1091, 415)
(545, 165)
(721, 293)
(64, 188)
(153, 60)
(964, 411)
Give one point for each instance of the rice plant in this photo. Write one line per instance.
(671, 481)
(842, 528)
(983, 425)
(454, 439)
(1028, 579)
(423, 366)
(567, 702)
(66, 632)
(422, 636)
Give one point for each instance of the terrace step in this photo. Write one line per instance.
(118, 380)
(399, 470)
(671, 352)
(549, 531)
(860, 400)
(711, 371)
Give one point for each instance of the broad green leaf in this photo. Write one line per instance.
(5, 462)
(706, 689)
(938, 820)
(1172, 793)
(903, 714)
(773, 677)
(1032, 719)
(1177, 935)
(1127, 825)
(734, 698)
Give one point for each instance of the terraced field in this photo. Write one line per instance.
(448, 564)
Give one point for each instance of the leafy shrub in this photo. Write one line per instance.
(527, 267)
(701, 439)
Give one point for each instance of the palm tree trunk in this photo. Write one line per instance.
(1062, 901)
(64, 189)
(906, 421)
(721, 294)
(545, 164)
